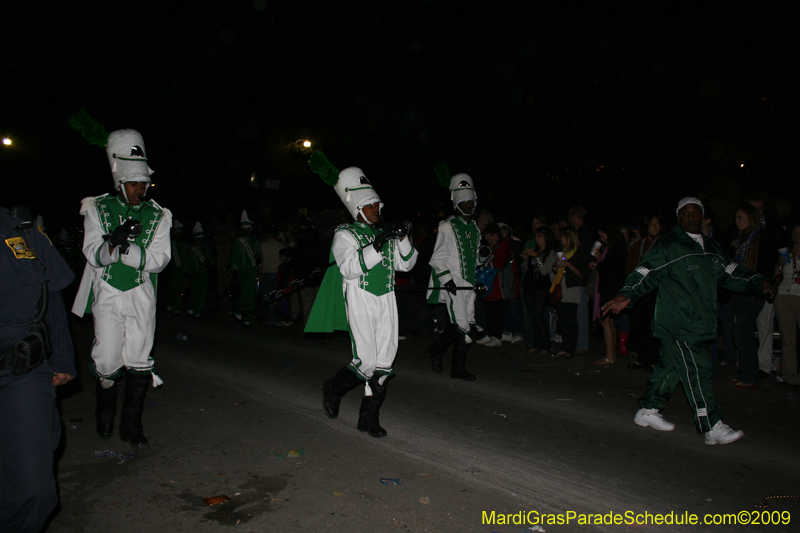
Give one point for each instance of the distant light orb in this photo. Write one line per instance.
(741, 166)
(6, 141)
(307, 144)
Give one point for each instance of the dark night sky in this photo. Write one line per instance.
(528, 98)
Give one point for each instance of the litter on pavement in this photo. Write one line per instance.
(214, 500)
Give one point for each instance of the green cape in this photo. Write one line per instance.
(328, 313)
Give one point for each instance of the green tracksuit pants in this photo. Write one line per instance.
(687, 363)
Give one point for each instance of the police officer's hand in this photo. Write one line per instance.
(60, 378)
(450, 287)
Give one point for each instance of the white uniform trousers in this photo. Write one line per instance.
(124, 326)
(373, 331)
(461, 308)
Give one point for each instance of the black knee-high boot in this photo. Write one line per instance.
(130, 425)
(369, 414)
(334, 388)
(459, 370)
(437, 350)
(106, 408)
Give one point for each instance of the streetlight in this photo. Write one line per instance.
(7, 141)
(305, 143)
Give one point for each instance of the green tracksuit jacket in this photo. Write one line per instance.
(687, 276)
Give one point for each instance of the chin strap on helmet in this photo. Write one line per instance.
(474, 206)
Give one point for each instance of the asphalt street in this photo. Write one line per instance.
(240, 416)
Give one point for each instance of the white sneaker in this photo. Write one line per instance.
(506, 337)
(722, 434)
(493, 342)
(516, 338)
(557, 339)
(652, 418)
(484, 339)
(238, 316)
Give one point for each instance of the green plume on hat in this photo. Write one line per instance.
(324, 168)
(89, 128)
(443, 173)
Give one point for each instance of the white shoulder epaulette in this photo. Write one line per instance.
(155, 205)
(167, 216)
(89, 202)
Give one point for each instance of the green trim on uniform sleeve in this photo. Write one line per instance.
(407, 257)
(144, 258)
(364, 268)
(97, 253)
(439, 275)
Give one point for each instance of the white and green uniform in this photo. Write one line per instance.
(119, 289)
(455, 257)
(368, 289)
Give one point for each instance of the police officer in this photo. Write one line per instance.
(32, 364)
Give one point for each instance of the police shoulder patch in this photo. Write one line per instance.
(20, 248)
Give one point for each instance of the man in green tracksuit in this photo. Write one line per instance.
(686, 267)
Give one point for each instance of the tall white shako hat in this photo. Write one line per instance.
(354, 189)
(245, 220)
(127, 158)
(462, 188)
(125, 149)
(197, 231)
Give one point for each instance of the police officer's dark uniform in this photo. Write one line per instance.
(30, 427)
